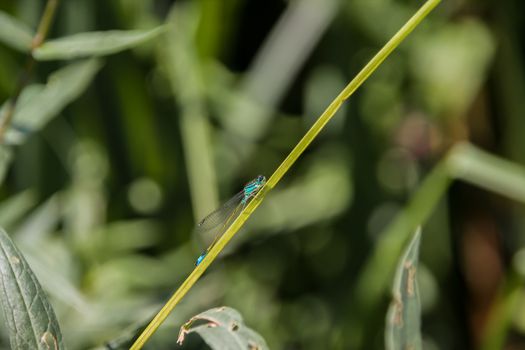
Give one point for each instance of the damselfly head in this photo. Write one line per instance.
(261, 180)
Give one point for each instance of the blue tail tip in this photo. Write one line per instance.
(200, 258)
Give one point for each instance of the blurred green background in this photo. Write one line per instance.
(103, 200)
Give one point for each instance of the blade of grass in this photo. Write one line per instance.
(93, 44)
(283, 168)
(182, 70)
(464, 162)
(360, 78)
(403, 321)
(503, 309)
(485, 170)
(376, 274)
(277, 63)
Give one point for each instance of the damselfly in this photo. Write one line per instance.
(219, 220)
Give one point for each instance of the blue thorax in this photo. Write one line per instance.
(252, 187)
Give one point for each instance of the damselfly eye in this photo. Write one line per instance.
(261, 178)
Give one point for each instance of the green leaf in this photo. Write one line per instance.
(15, 33)
(49, 258)
(31, 321)
(403, 321)
(93, 44)
(5, 158)
(38, 105)
(15, 207)
(223, 328)
(488, 171)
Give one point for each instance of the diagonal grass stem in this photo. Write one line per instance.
(330, 111)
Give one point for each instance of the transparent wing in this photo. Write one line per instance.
(214, 220)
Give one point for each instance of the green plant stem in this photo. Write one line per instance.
(376, 274)
(359, 79)
(503, 309)
(463, 162)
(45, 23)
(38, 39)
(283, 168)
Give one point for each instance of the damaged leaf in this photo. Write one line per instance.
(403, 322)
(223, 328)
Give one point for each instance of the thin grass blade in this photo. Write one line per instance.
(403, 321)
(214, 251)
(92, 44)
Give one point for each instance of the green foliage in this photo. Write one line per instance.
(5, 159)
(223, 328)
(464, 162)
(488, 171)
(403, 320)
(461, 52)
(39, 104)
(376, 275)
(30, 318)
(504, 308)
(283, 168)
(16, 207)
(186, 82)
(106, 166)
(15, 33)
(93, 44)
